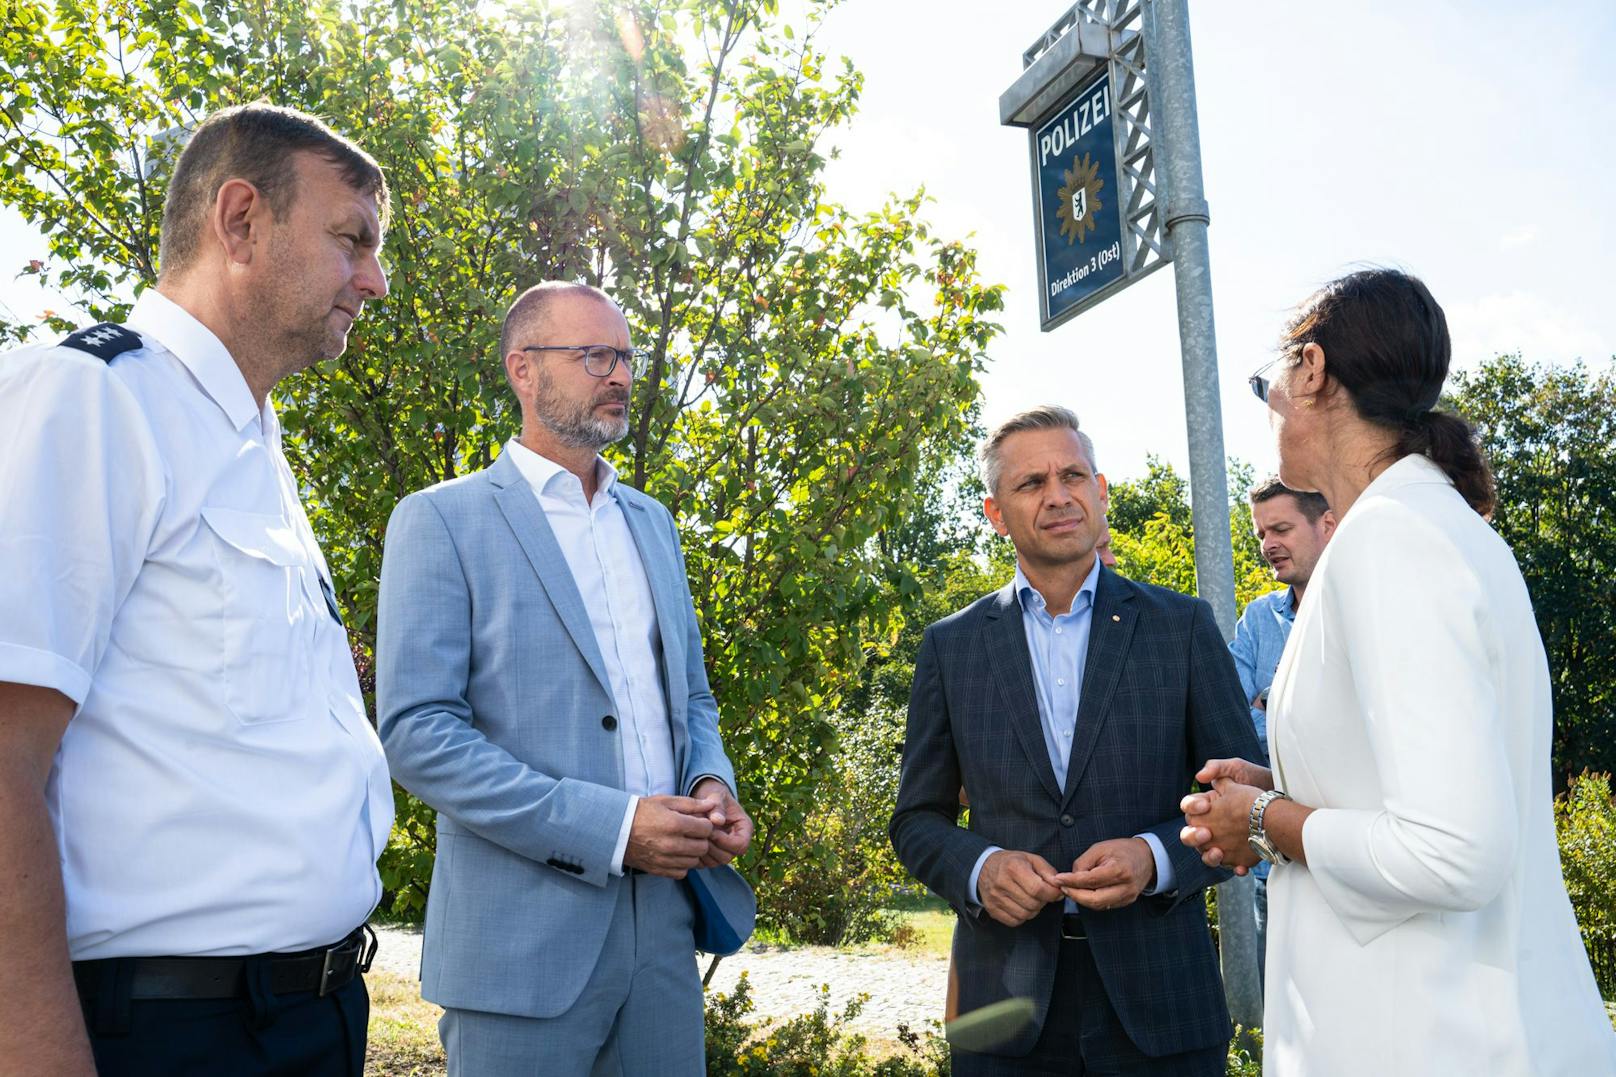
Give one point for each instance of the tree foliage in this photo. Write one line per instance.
(808, 363)
(1153, 533)
(1550, 435)
(1585, 824)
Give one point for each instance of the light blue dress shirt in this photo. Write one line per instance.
(1259, 642)
(1059, 646)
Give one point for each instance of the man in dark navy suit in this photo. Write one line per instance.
(1075, 705)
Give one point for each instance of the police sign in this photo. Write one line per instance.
(1079, 205)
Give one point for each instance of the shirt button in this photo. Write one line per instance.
(1057, 631)
(608, 723)
(1067, 820)
(1061, 681)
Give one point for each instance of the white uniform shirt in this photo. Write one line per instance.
(219, 789)
(605, 564)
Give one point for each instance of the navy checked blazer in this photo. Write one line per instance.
(1160, 697)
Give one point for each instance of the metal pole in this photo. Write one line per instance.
(1178, 159)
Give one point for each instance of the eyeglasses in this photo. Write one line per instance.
(1259, 384)
(599, 359)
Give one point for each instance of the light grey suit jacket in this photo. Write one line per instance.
(494, 707)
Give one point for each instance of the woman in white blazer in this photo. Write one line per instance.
(1418, 922)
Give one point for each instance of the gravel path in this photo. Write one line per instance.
(904, 988)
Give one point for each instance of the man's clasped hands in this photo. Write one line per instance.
(1014, 887)
(674, 835)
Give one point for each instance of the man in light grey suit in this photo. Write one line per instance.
(540, 683)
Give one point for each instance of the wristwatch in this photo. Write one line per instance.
(1257, 836)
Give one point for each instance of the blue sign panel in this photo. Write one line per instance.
(1079, 206)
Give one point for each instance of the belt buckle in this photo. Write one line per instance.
(362, 950)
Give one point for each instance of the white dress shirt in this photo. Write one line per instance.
(605, 564)
(218, 790)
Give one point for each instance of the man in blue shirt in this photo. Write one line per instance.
(1293, 527)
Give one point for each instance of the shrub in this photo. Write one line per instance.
(1245, 1053)
(1585, 820)
(837, 894)
(818, 1044)
(815, 1044)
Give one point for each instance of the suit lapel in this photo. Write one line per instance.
(1004, 641)
(1110, 632)
(521, 510)
(658, 559)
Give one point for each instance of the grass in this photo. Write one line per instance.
(403, 1029)
(925, 925)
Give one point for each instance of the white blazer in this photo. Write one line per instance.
(1430, 932)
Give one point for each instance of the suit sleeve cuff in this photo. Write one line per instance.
(976, 872)
(621, 849)
(691, 791)
(1165, 881)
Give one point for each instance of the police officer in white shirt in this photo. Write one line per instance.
(193, 798)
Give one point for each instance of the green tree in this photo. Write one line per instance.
(1154, 535)
(808, 363)
(1585, 824)
(1550, 434)
(1161, 492)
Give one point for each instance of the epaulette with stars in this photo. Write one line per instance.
(105, 341)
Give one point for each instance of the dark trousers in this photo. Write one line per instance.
(262, 1034)
(1083, 1037)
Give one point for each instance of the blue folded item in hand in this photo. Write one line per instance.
(725, 910)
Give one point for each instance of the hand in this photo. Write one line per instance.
(669, 835)
(1014, 887)
(1217, 824)
(732, 827)
(1240, 771)
(1111, 874)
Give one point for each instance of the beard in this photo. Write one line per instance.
(575, 422)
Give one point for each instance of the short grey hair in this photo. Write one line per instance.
(990, 455)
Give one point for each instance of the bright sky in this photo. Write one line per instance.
(1461, 140)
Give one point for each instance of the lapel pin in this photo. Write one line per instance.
(1116, 616)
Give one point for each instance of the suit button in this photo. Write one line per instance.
(608, 723)
(1067, 820)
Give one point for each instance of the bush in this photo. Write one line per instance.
(819, 1045)
(815, 1044)
(1585, 820)
(838, 894)
(1245, 1053)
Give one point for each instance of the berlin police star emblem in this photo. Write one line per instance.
(1079, 199)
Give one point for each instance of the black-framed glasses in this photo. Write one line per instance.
(1259, 384)
(599, 359)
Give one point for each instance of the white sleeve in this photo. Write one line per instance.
(1410, 617)
(81, 489)
(620, 850)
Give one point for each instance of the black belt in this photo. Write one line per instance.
(321, 970)
(1072, 929)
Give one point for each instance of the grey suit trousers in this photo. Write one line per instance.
(640, 1014)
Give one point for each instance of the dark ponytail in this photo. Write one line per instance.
(1452, 445)
(1385, 340)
